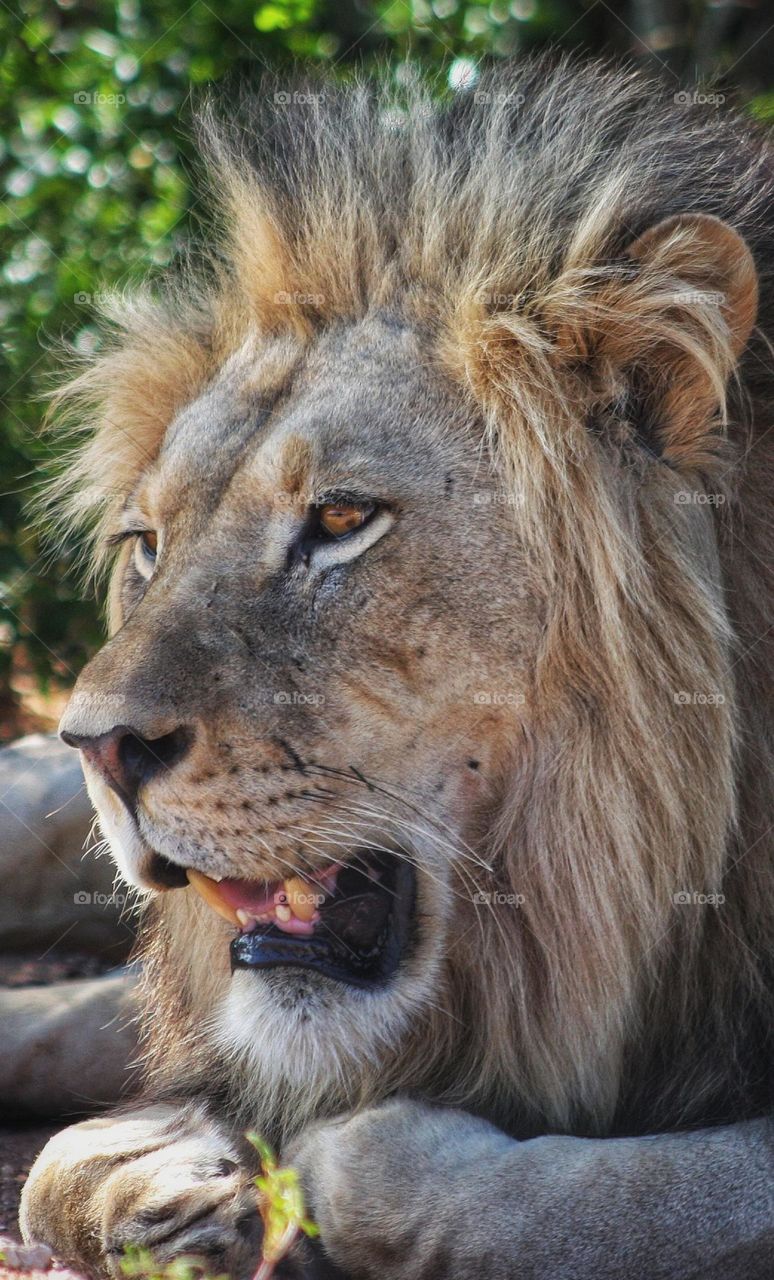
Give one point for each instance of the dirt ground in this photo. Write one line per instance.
(19, 1144)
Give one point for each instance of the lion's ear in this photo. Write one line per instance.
(667, 324)
(710, 257)
(684, 321)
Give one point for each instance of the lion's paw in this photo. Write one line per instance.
(170, 1206)
(355, 1175)
(166, 1179)
(396, 1190)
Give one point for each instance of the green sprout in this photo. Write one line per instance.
(139, 1264)
(281, 1205)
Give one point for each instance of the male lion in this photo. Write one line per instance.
(434, 719)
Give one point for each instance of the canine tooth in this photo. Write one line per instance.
(207, 889)
(302, 897)
(283, 913)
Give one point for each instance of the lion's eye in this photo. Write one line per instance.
(340, 530)
(145, 551)
(337, 519)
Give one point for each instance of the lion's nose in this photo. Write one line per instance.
(126, 759)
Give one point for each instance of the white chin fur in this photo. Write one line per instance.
(306, 1046)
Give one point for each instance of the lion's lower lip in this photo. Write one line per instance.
(361, 937)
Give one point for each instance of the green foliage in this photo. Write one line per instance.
(281, 1203)
(139, 1264)
(95, 184)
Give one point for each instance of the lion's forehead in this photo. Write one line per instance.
(359, 410)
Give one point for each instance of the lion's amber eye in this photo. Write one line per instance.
(340, 518)
(149, 542)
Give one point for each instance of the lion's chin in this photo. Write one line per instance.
(361, 933)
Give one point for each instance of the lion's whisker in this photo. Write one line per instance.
(375, 786)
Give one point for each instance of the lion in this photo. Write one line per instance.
(433, 725)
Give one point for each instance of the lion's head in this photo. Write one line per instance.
(425, 665)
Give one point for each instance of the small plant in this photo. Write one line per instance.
(139, 1264)
(281, 1206)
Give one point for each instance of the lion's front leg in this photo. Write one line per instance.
(406, 1191)
(166, 1178)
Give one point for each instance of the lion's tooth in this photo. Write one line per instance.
(207, 889)
(283, 913)
(302, 898)
(245, 919)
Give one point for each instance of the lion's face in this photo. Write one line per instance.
(321, 639)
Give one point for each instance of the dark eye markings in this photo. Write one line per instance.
(148, 539)
(123, 535)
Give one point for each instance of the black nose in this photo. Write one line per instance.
(127, 760)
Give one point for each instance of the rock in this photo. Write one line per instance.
(26, 1257)
(67, 1048)
(50, 889)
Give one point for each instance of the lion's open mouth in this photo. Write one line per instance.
(350, 923)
